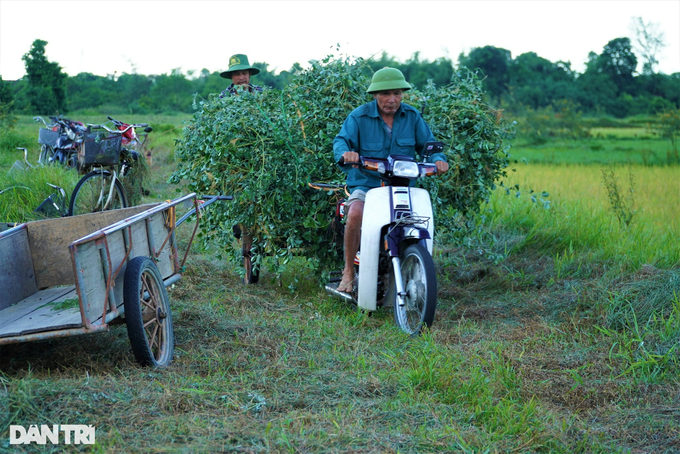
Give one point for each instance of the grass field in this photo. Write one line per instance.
(568, 344)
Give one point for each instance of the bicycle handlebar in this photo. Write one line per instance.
(37, 119)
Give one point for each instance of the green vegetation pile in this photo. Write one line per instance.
(264, 148)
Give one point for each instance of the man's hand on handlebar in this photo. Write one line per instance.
(442, 167)
(349, 157)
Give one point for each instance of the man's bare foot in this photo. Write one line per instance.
(346, 284)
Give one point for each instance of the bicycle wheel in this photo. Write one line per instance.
(420, 284)
(147, 313)
(94, 193)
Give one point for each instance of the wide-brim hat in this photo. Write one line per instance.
(239, 62)
(388, 79)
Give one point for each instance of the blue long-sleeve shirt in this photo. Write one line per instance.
(365, 132)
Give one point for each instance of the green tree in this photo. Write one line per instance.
(6, 96)
(536, 82)
(86, 90)
(6, 101)
(170, 93)
(208, 82)
(46, 82)
(618, 61)
(494, 63)
(133, 92)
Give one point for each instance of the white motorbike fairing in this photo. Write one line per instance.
(378, 213)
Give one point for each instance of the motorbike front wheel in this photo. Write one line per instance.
(46, 155)
(420, 285)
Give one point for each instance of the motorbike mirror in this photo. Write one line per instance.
(433, 147)
(148, 129)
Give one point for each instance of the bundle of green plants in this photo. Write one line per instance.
(265, 149)
(133, 181)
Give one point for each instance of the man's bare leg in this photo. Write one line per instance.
(352, 239)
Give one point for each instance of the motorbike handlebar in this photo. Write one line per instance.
(120, 123)
(116, 131)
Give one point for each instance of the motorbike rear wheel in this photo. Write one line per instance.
(252, 270)
(420, 284)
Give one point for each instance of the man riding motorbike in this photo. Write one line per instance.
(380, 128)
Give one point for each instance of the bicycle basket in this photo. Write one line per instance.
(47, 137)
(99, 150)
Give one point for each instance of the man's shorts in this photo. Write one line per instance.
(357, 194)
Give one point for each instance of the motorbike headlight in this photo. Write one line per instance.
(405, 169)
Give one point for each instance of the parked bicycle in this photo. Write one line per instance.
(55, 205)
(104, 160)
(61, 141)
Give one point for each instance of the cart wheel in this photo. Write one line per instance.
(147, 312)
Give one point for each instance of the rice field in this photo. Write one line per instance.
(656, 189)
(581, 215)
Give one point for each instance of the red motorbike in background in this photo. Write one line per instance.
(131, 140)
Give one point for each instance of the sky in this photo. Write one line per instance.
(156, 37)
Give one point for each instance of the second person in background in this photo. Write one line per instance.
(240, 73)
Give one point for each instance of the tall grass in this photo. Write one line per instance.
(22, 190)
(580, 216)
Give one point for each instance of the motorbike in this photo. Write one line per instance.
(61, 141)
(394, 265)
(131, 139)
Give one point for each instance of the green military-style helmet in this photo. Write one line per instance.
(388, 79)
(239, 62)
